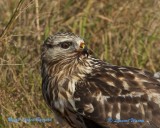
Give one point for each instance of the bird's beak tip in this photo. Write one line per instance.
(83, 49)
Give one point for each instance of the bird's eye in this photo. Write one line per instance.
(65, 45)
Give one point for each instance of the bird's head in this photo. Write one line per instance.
(63, 45)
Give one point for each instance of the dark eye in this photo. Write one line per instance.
(65, 45)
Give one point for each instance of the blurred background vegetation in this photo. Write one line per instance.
(122, 32)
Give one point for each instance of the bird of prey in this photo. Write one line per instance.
(86, 92)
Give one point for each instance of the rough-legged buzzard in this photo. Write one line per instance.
(86, 92)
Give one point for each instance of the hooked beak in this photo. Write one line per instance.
(84, 50)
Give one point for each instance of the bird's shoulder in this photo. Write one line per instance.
(117, 92)
(122, 77)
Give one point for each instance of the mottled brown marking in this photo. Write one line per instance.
(125, 107)
(121, 99)
(149, 85)
(124, 92)
(156, 112)
(137, 115)
(113, 90)
(134, 108)
(98, 109)
(118, 83)
(144, 98)
(110, 71)
(141, 76)
(128, 99)
(109, 78)
(97, 92)
(119, 75)
(115, 110)
(65, 85)
(64, 94)
(111, 99)
(153, 105)
(125, 115)
(129, 76)
(148, 115)
(136, 100)
(132, 83)
(107, 107)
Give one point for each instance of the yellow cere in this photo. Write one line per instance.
(82, 45)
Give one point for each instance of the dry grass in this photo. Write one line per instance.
(122, 32)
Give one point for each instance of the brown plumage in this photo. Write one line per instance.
(85, 92)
